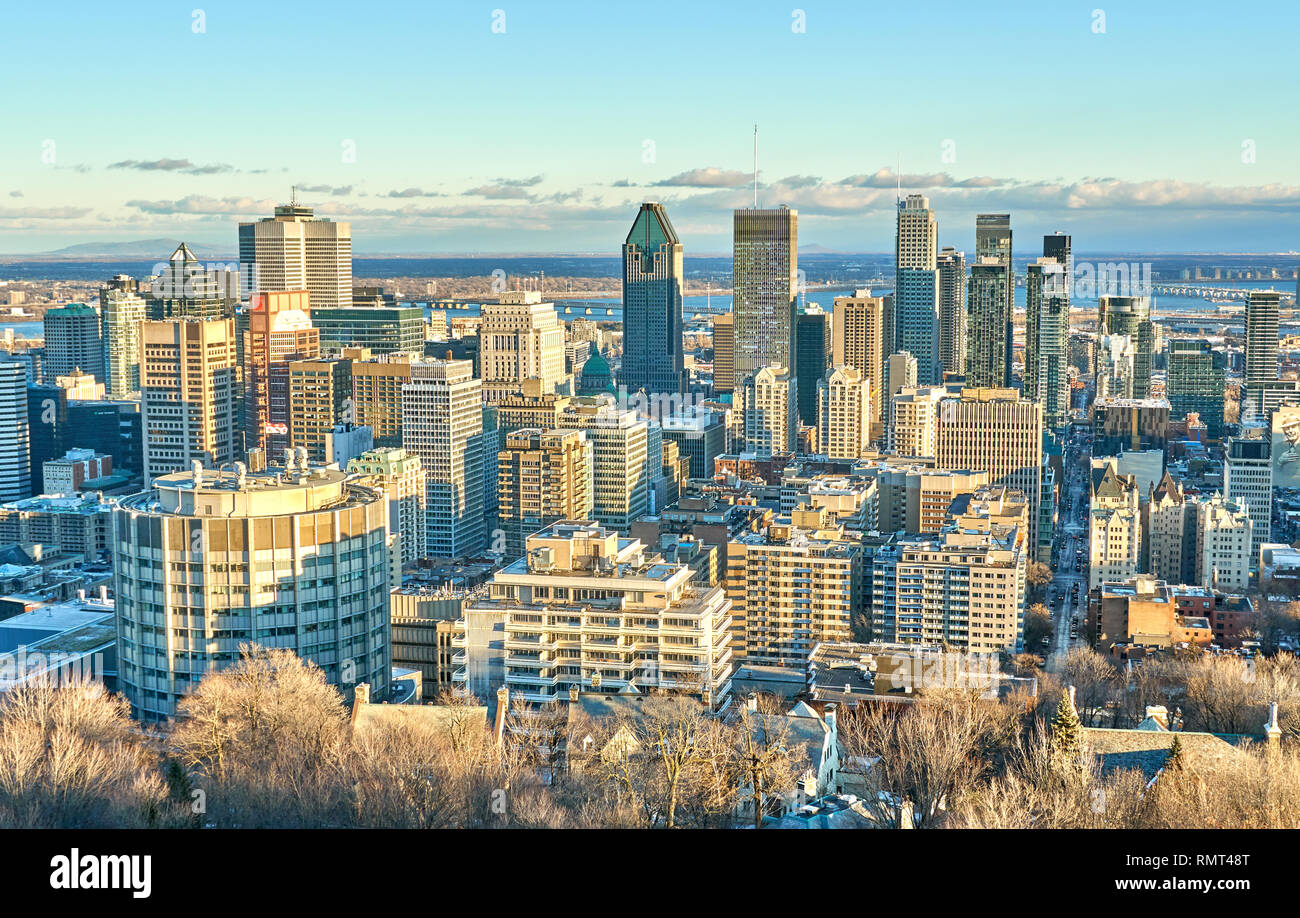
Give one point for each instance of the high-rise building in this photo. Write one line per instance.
(377, 394)
(1195, 383)
(442, 425)
(72, 342)
(993, 241)
(988, 325)
(187, 290)
(653, 281)
(700, 437)
(766, 412)
(543, 477)
(1261, 342)
(1047, 338)
(121, 310)
(620, 446)
(187, 394)
(400, 477)
(1114, 525)
(387, 329)
(995, 431)
(858, 341)
(812, 348)
(724, 353)
(293, 558)
(520, 338)
(915, 325)
(583, 595)
(765, 265)
(319, 396)
(294, 250)
(1248, 480)
(952, 311)
(790, 592)
(917, 239)
(914, 426)
(1223, 544)
(15, 434)
(843, 414)
(900, 374)
(279, 331)
(1130, 316)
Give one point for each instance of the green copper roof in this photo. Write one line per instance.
(652, 228)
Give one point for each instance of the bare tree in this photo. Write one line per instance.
(764, 757)
(1094, 679)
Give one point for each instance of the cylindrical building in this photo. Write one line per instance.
(208, 560)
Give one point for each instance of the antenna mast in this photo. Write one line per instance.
(755, 165)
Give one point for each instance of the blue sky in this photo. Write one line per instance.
(1172, 129)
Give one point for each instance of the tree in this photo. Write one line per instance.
(1066, 732)
(1094, 679)
(763, 757)
(1038, 625)
(1038, 575)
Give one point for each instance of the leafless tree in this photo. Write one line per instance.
(1095, 681)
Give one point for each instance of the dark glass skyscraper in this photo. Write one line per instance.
(652, 305)
(1196, 383)
(812, 349)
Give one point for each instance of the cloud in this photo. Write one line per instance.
(197, 204)
(172, 165)
(15, 194)
(337, 191)
(43, 213)
(888, 178)
(413, 193)
(506, 189)
(710, 177)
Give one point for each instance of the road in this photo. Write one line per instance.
(1071, 544)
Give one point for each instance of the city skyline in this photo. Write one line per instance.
(488, 169)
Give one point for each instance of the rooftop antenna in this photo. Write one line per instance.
(293, 195)
(898, 176)
(755, 165)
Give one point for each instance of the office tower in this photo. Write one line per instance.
(442, 425)
(121, 310)
(1195, 384)
(1047, 338)
(377, 394)
(1261, 342)
(915, 498)
(961, 588)
(677, 632)
(543, 477)
(520, 338)
(988, 326)
(388, 329)
(765, 265)
(1130, 316)
(914, 426)
(81, 387)
(843, 414)
(790, 592)
(531, 407)
(900, 373)
(1223, 544)
(993, 241)
(294, 250)
(187, 290)
(319, 396)
(700, 438)
(724, 353)
(1114, 525)
(400, 477)
(291, 558)
(1170, 527)
(858, 340)
(72, 341)
(952, 311)
(279, 331)
(766, 412)
(15, 434)
(812, 348)
(620, 444)
(653, 281)
(1248, 480)
(915, 316)
(187, 394)
(995, 431)
(1058, 246)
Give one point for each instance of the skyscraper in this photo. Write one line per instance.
(1248, 479)
(988, 326)
(767, 416)
(1195, 383)
(520, 338)
(858, 339)
(724, 353)
(187, 290)
(1047, 338)
(652, 304)
(620, 448)
(442, 424)
(1131, 316)
(812, 348)
(279, 331)
(952, 311)
(993, 240)
(843, 413)
(543, 477)
(916, 288)
(15, 434)
(295, 250)
(187, 394)
(121, 310)
(765, 264)
(1261, 341)
(72, 342)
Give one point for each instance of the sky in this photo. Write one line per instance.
(508, 126)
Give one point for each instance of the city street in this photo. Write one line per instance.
(1071, 552)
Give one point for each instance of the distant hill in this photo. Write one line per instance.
(141, 248)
